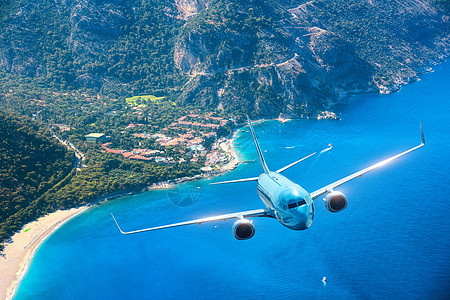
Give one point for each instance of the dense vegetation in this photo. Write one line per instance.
(38, 175)
(82, 111)
(112, 47)
(31, 163)
(263, 56)
(86, 111)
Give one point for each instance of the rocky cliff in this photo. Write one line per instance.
(262, 57)
(303, 59)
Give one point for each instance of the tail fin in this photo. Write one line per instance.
(258, 149)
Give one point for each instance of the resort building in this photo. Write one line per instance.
(95, 137)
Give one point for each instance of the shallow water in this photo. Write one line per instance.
(392, 241)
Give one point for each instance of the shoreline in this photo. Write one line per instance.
(19, 251)
(228, 147)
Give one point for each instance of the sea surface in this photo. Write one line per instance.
(392, 241)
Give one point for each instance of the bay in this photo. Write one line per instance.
(392, 241)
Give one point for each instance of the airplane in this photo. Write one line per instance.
(284, 199)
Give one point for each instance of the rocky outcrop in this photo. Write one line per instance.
(190, 52)
(189, 8)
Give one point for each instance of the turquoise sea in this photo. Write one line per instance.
(392, 241)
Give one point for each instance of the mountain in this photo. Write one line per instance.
(263, 57)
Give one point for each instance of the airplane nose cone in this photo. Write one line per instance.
(306, 216)
(309, 219)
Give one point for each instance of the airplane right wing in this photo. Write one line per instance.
(330, 187)
(239, 215)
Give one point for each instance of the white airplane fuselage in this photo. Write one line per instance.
(287, 201)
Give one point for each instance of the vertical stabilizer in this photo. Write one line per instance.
(258, 149)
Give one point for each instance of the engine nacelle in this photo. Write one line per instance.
(243, 229)
(335, 201)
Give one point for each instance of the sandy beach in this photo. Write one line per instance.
(228, 147)
(19, 251)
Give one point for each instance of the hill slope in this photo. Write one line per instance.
(273, 57)
(259, 56)
(30, 164)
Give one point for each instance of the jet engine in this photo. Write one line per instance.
(243, 229)
(335, 201)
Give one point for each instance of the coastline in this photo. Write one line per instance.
(228, 147)
(21, 248)
(19, 251)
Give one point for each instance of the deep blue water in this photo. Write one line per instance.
(392, 241)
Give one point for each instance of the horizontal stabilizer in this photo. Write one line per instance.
(236, 181)
(421, 132)
(294, 163)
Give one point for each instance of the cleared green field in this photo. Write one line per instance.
(138, 100)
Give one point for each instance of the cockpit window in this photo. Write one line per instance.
(295, 204)
(292, 205)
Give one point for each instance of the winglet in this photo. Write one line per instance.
(117, 224)
(258, 149)
(421, 132)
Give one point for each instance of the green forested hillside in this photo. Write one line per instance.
(30, 164)
(111, 46)
(37, 175)
(261, 57)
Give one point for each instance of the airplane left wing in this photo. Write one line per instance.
(330, 187)
(239, 215)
